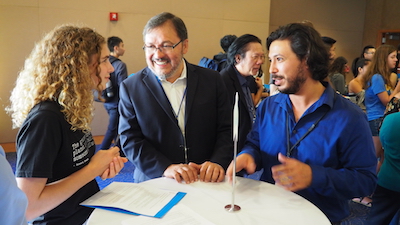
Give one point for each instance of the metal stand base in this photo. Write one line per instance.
(230, 209)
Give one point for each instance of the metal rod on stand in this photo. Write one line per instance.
(232, 207)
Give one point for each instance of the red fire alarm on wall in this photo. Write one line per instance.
(113, 16)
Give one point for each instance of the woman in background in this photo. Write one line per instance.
(52, 104)
(337, 74)
(356, 84)
(378, 91)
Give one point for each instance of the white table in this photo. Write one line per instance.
(260, 202)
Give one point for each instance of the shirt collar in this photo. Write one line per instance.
(184, 71)
(327, 98)
(242, 79)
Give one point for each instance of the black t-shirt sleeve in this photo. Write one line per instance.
(38, 142)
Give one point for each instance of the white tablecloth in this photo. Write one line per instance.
(260, 202)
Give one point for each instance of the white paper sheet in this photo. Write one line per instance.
(180, 214)
(133, 197)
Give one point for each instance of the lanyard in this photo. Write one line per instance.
(176, 114)
(185, 148)
(180, 105)
(290, 149)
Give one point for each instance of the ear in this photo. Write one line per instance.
(185, 46)
(237, 58)
(304, 63)
(115, 48)
(360, 69)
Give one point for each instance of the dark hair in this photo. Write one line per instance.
(357, 63)
(240, 46)
(337, 66)
(365, 50)
(307, 44)
(161, 18)
(226, 41)
(112, 42)
(328, 40)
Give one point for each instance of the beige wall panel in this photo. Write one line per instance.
(324, 14)
(373, 12)
(24, 22)
(145, 7)
(18, 32)
(204, 35)
(19, 2)
(129, 28)
(390, 18)
(199, 9)
(100, 120)
(342, 20)
(92, 5)
(93, 19)
(249, 10)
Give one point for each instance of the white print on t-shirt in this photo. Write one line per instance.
(81, 149)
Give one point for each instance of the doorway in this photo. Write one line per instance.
(390, 37)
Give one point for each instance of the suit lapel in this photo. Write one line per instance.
(191, 85)
(154, 86)
(238, 87)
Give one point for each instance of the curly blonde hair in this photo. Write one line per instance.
(58, 70)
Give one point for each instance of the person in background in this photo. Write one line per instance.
(337, 74)
(56, 161)
(175, 116)
(245, 57)
(330, 46)
(379, 90)
(387, 193)
(257, 89)
(356, 84)
(221, 57)
(394, 77)
(357, 96)
(117, 49)
(368, 52)
(308, 139)
(13, 201)
(398, 64)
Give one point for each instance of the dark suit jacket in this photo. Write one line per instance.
(150, 135)
(232, 84)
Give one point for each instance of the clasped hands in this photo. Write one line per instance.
(108, 163)
(291, 174)
(189, 173)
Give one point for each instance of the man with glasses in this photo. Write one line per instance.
(368, 52)
(245, 57)
(175, 117)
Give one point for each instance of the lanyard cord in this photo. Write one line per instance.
(185, 148)
(290, 149)
(180, 105)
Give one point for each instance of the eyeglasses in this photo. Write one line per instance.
(165, 48)
(257, 57)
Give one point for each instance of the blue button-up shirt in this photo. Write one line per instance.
(339, 150)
